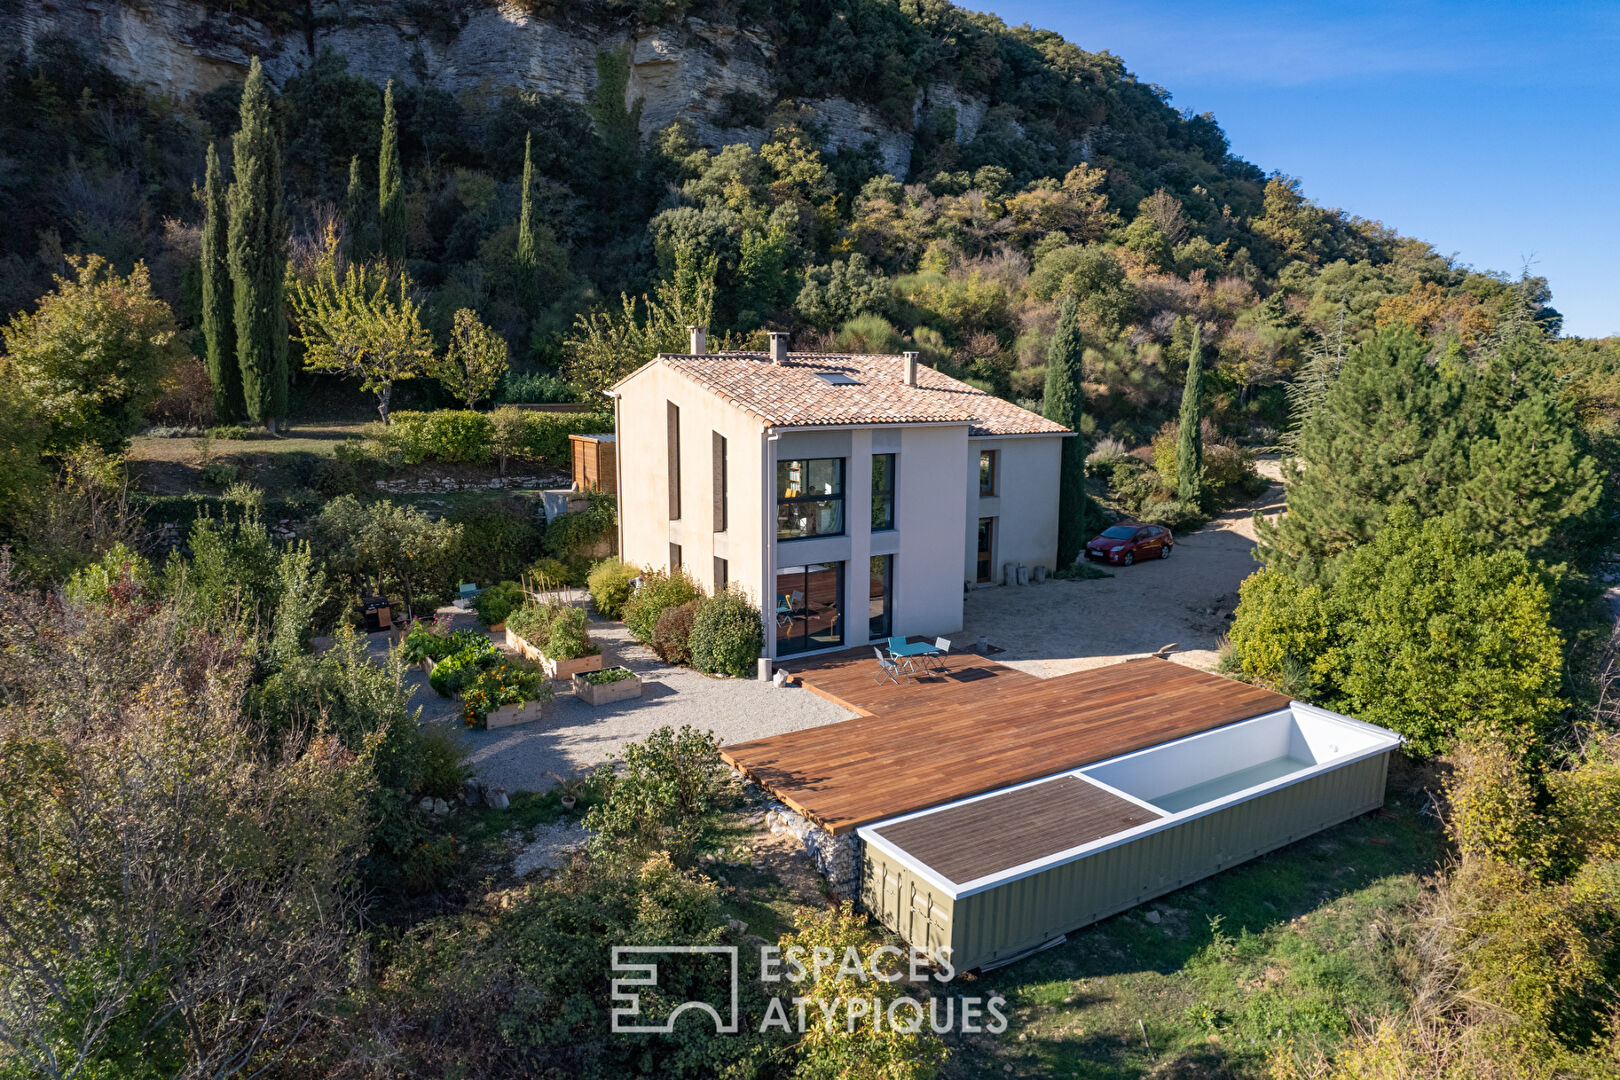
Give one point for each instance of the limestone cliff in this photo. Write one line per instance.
(480, 48)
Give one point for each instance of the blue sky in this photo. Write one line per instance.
(1489, 129)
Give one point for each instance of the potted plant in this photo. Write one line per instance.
(607, 685)
(570, 789)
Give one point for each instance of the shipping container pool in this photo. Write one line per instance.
(996, 875)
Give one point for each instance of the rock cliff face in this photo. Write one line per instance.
(484, 49)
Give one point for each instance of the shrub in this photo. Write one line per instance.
(662, 797)
(671, 635)
(453, 436)
(544, 435)
(496, 542)
(234, 432)
(219, 473)
(1174, 514)
(459, 668)
(549, 572)
(511, 683)
(534, 388)
(609, 585)
(1107, 449)
(572, 535)
(659, 590)
(443, 762)
(495, 603)
(727, 635)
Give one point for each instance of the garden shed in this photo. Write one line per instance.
(595, 463)
(996, 875)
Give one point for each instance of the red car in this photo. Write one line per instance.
(1125, 543)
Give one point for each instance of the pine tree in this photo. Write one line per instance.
(390, 186)
(1384, 434)
(357, 216)
(1064, 404)
(218, 325)
(258, 255)
(1190, 439)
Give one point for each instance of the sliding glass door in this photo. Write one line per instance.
(809, 607)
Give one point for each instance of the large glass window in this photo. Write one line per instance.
(809, 607)
(880, 597)
(882, 492)
(809, 498)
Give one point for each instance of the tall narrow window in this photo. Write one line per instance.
(809, 607)
(721, 507)
(672, 427)
(988, 460)
(809, 498)
(674, 557)
(882, 492)
(722, 573)
(880, 597)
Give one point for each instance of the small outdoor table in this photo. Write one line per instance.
(907, 655)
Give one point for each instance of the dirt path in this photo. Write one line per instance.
(1063, 626)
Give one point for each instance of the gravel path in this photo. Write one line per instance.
(572, 736)
(1063, 626)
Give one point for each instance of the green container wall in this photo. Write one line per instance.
(1006, 919)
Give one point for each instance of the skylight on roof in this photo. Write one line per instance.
(837, 378)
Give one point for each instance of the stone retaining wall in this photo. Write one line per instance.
(836, 858)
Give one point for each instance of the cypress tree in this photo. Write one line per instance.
(390, 186)
(258, 255)
(1064, 403)
(528, 257)
(218, 325)
(1190, 440)
(357, 215)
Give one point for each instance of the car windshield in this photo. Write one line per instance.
(1119, 532)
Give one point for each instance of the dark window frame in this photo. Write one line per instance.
(883, 625)
(887, 496)
(675, 561)
(722, 574)
(796, 500)
(672, 434)
(722, 495)
(994, 473)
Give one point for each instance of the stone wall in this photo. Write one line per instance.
(836, 858)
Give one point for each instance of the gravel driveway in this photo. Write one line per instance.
(571, 736)
(1063, 626)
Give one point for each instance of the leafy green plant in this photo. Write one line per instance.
(566, 635)
(660, 589)
(497, 602)
(531, 387)
(512, 682)
(220, 473)
(727, 635)
(232, 432)
(455, 671)
(453, 436)
(573, 534)
(609, 585)
(608, 675)
(663, 795)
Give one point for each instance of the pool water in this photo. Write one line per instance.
(1229, 784)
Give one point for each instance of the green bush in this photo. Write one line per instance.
(455, 671)
(497, 543)
(1173, 514)
(220, 473)
(443, 762)
(727, 635)
(572, 535)
(662, 797)
(453, 436)
(233, 432)
(671, 635)
(495, 603)
(544, 435)
(659, 590)
(609, 585)
(549, 572)
(533, 388)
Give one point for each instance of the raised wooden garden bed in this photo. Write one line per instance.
(603, 693)
(557, 669)
(508, 715)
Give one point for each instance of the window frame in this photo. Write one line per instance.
(838, 498)
(994, 472)
(890, 493)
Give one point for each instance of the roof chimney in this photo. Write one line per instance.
(778, 347)
(908, 373)
(700, 339)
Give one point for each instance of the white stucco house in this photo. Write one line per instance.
(853, 496)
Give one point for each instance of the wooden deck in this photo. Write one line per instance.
(1002, 831)
(982, 727)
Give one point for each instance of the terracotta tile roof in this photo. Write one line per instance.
(864, 389)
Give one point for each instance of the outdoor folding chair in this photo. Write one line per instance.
(887, 669)
(942, 648)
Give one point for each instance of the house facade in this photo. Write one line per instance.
(853, 496)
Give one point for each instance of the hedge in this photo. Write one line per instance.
(463, 437)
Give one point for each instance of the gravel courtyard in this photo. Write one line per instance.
(1063, 626)
(571, 736)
